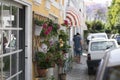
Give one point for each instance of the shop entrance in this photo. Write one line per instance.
(12, 41)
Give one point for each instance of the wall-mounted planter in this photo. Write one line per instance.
(38, 30)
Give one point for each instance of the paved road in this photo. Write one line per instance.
(79, 71)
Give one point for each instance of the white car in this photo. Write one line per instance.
(109, 68)
(96, 50)
(96, 35)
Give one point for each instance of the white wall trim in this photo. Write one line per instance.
(37, 2)
(57, 5)
(53, 15)
(28, 38)
(24, 2)
(28, 43)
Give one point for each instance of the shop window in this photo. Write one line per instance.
(10, 31)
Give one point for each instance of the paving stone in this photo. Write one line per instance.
(79, 71)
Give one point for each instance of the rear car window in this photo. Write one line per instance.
(118, 37)
(112, 73)
(102, 45)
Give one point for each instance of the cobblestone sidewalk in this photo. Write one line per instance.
(79, 71)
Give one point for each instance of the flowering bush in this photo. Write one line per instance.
(49, 29)
(65, 23)
(44, 60)
(61, 49)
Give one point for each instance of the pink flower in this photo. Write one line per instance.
(46, 32)
(44, 26)
(66, 22)
(50, 28)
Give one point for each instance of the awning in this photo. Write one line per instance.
(73, 16)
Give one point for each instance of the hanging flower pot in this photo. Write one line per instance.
(38, 30)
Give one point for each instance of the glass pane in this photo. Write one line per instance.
(98, 46)
(111, 45)
(14, 40)
(6, 67)
(15, 78)
(10, 41)
(6, 15)
(21, 76)
(14, 16)
(14, 64)
(20, 61)
(5, 41)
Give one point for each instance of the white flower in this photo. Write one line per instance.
(43, 48)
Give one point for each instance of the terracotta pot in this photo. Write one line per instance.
(62, 76)
(42, 72)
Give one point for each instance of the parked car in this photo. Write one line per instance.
(96, 35)
(118, 39)
(96, 50)
(109, 68)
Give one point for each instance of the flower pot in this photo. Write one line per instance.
(62, 76)
(38, 30)
(50, 72)
(42, 72)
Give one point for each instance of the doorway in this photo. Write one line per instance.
(12, 41)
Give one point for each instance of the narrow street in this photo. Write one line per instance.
(79, 71)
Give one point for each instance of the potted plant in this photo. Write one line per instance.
(60, 61)
(38, 26)
(44, 61)
(61, 54)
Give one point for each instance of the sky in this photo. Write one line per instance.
(98, 1)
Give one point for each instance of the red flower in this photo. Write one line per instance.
(65, 23)
(44, 26)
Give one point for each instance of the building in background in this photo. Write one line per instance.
(75, 14)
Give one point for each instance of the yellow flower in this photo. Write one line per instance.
(61, 45)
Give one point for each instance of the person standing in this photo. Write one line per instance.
(74, 47)
(78, 47)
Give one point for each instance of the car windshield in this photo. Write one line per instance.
(112, 73)
(102, 45)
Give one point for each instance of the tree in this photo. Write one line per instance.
(95, 26)
(114, 16)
